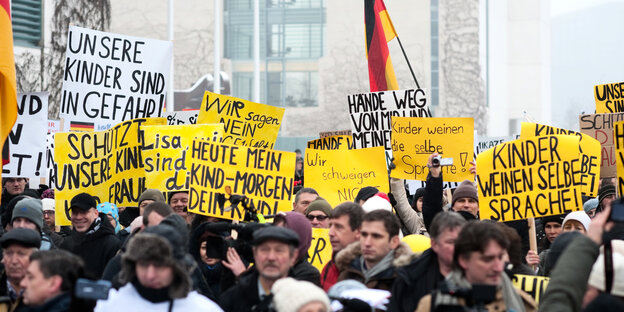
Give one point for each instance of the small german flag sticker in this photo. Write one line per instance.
(80, 126)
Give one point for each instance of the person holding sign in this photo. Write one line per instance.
(478, 259)
(375, 259)
(344, 229)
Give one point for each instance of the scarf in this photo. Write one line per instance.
(385, 263)
(150, 294)
(97, 223)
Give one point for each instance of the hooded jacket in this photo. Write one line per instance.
(348, 263)
(96, 248)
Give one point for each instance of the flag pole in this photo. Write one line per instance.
(407, 60)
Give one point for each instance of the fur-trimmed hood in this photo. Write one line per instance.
(403, 255)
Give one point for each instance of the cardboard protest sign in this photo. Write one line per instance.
(181, 117)
(483, 143)
(219, 171)
(245, 123)
(530, 178)
(165, 152)
(332, 143)
(532, 285)
(106, 164)
(320, 251)
(618, 138)
(590, 153)
(414, 139)
(600, 127)
(609, 98)
(333, 133)
(340, 174)
(27, 139)
(110, 78)
(371, 114)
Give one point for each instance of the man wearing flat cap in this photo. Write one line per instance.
(93, 237)
(275, 252)
(17, 246)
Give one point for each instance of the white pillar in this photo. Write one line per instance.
(256, 52)
(170, 91)
(216, 82)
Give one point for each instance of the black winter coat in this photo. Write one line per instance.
(414, 281)
(244, 296)
(95, 249)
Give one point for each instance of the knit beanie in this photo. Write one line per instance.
(365, 193)
(465, 189)
(110, 208)
(579, 216)
(597, 276)
(151, 194)
(48, 204)
(590, 204)
(31, 209)
(419, 193)
(290, 295)
(319, 204)
(604, 191)
(300, 224)
(554, 218)
(379, 201)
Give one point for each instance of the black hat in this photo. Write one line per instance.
(21, 236)
(277, 233)
(365, 193)
(83, 201)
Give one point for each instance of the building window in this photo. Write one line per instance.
(26, 20)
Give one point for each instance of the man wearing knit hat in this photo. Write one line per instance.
(275, 252)
(319, 212)
(147, 197)
(606, 195)
(28, 214)
(465, 198)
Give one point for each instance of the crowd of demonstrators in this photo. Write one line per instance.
(159, 256)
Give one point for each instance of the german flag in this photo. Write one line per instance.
(8, 85)
(80, 126)
(379, 31)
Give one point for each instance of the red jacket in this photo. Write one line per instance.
(329, 276)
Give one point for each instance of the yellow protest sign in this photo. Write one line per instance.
(106, 164)
(332, 143)
(338, 175)
(590, 153)
(618, 139)
(165, 152)
(414, 139)
(609, 98)
(219, 171)
(530, 178)
(320, 251)
(245, 123)
(532, 285)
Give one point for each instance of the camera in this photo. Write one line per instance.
(217, 245)
(475, 297)
(438, 161)
(94, 290)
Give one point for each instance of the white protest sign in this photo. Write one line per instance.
(413, 185)
(50, 164)
(188, 117)
(483, 143)
(371, 112)
(27, 140)
(110, 78)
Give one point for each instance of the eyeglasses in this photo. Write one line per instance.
(320, 218)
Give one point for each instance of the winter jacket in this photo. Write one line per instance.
(329, 276)
(244, 296)
(432, 200)
(568, 280)
(96, 248)
(60, 303)
(128, 297)
(304, 271)
(412, 220)
(349, 265)
(414, 281)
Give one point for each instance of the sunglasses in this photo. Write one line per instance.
(320, 218)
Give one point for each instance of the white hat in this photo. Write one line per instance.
(377, 201)
(579, 216)
(289, 295)
(597, 276)
(48, 204)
